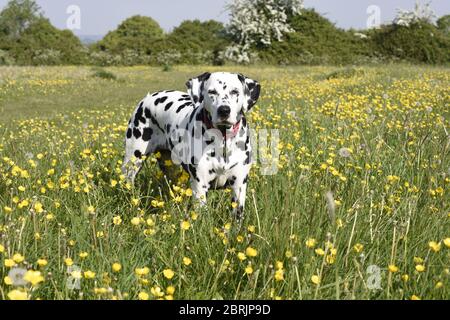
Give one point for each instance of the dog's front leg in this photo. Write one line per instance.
(239, 190)
(199, 190)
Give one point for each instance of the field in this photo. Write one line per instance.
(358, 207)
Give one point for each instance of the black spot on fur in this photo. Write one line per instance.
(147, 134)
(245, 180)
(136, 133)
(183, 106)
(138, 154)
(192, 116)
(163, 99)
(138, 116)
(193, 172)
(247, 160)
(129, 133)
(167, 107)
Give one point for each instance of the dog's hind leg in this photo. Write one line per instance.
(136, 148)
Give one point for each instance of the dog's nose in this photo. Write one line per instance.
(224, 111)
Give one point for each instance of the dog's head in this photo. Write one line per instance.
(226, 96)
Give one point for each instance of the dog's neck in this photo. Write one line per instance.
(226, 133)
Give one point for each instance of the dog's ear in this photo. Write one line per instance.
(252, 90)
(195, 87)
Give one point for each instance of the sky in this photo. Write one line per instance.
(97, 17)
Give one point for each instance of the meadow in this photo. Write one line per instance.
(358, 207)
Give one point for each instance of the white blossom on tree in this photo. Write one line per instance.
(420, 13)
(258, 23)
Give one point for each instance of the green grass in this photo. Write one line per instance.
(375, 137)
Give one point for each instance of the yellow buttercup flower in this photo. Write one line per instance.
(319, 251)
(279, 275)
(447, 242)
(315, 279)
(168, 273)
(33, 277)
(420, 267)
(117, 220)
(170, 290)
(116, 267)
(17, 295)
(248, 269)
(241, 256)
(143, 295)
(187, 261)
(68, 262)
(135, 221)
(18, 258)
(89, 274)
(311, 243)
(434, 246)
(358, 247)
(142, 271)
(393, 268)
(185, 225)
(251, 252)
(42, 262)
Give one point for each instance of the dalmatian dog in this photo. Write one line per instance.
(205, 131)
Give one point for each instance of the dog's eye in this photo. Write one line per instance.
(234, 92)
(213, 92)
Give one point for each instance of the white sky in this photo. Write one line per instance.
(100, 16)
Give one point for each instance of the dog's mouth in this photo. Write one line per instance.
(224, 125)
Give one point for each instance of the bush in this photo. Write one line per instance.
(41, 43)
(419, 42)
(103, 74)
(135, 36)
(443, 23)
(5, 58)
(315, 41)
(197, 42)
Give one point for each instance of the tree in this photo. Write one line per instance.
(256, 23)
(137, 33)
(418, 42)
(443, 24)
(314, 40)
(421, 13)
(42, 43)
(197, 36)
(17, 16)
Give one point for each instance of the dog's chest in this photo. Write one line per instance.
(224, 167)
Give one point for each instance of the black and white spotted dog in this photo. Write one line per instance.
(205, 131)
